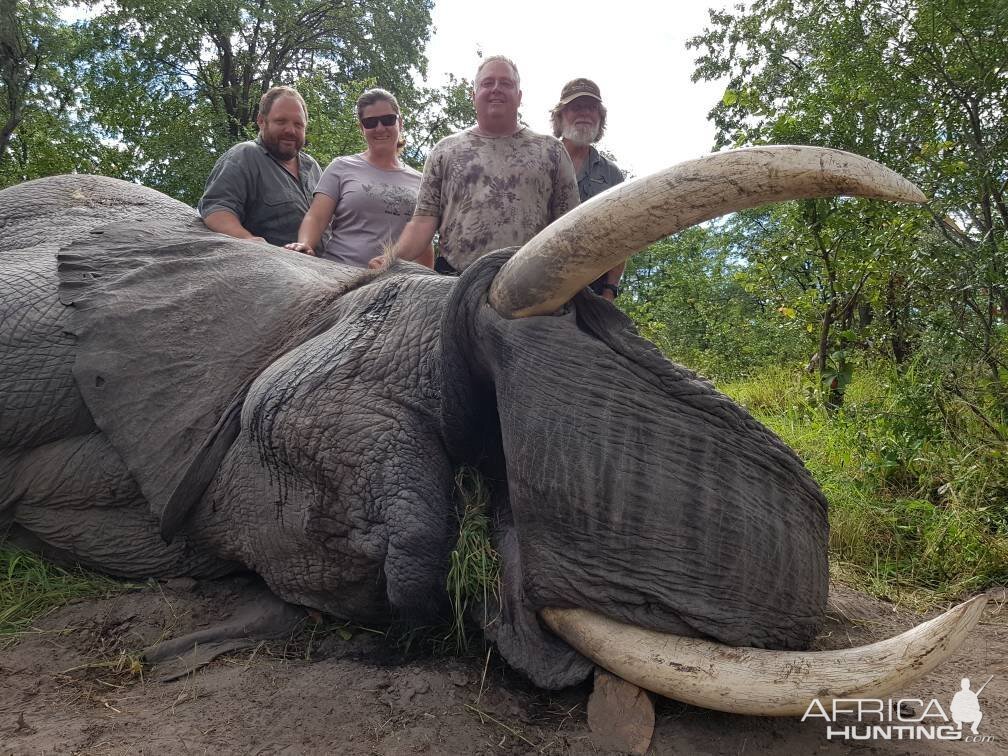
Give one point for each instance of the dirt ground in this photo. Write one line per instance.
(72, 688)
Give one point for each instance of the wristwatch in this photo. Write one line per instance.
(612, 287)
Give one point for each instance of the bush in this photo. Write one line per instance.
(911, 506)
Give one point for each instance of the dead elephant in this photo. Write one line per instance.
(176, 402)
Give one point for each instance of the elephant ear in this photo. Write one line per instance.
(173, 323)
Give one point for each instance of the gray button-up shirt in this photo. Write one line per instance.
(597, 174)
(268, 201)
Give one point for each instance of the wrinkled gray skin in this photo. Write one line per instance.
(176, 402)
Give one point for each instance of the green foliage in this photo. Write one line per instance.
(685, 293)
(434, 114)
(30, 587)
(41, 128)
(920, 86)
(836, 269)
(180, 83)
(332, 117)
(919, 437)
(774, 391)
(914, 463)
(228, 54)
(154, 92)
(910, 507)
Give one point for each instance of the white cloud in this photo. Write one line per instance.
(635, 51)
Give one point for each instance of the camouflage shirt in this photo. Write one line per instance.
(494, 192)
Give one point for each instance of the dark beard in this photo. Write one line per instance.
(280, 153)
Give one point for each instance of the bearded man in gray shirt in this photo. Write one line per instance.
(494, 185)
(262, 189)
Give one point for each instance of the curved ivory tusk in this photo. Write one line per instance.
(757, 681)
(577, 248)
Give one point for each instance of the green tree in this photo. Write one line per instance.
(919, 85)
(831, 267)
(154, 92)
(41, 131)
(434, 114)
(175, 84)
(686, 294)
(20, 59)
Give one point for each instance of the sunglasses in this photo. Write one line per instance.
(385, 120)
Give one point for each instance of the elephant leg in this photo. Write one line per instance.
(266, 531)
(351, 538)
(76, 498)
(262, 617)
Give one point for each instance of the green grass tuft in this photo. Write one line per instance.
(31, 587)
(774, 391)
(474, 568)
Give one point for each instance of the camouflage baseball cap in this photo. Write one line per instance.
(578, 88)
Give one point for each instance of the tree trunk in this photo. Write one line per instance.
(833, 396)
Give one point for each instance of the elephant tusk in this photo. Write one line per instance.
(575, 249)
(758, 681)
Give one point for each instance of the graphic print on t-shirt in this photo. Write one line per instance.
(398, 200)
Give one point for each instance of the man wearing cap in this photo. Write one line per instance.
(262, 189)
(494, 185)
(579, 120)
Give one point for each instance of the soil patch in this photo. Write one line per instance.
(75, 686)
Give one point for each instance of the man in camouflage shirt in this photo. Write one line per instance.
(494, 185)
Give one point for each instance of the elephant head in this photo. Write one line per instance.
(731, 471)
(304, 420)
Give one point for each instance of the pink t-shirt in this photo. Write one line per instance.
(372, 207)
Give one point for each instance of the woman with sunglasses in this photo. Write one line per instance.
(364, 199)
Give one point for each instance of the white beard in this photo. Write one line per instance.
(583, 135)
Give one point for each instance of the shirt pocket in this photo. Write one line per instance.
(279, 206)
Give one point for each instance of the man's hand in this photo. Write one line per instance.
(300, 247)
(309, 236)
(376, 263)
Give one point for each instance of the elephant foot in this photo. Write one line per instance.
(263, 617)
(621, 716)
